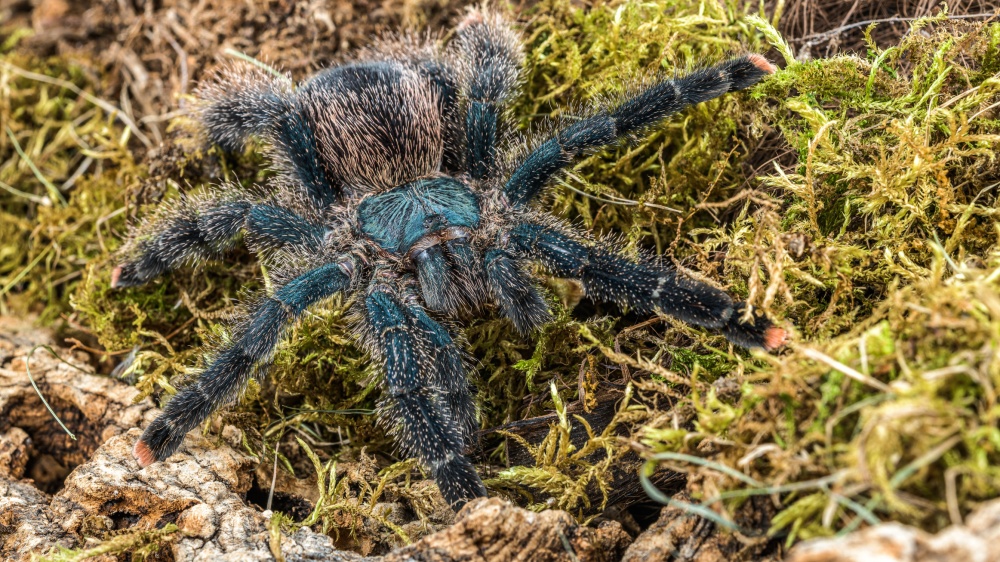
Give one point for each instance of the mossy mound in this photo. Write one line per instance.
(880, 245)
(852, 198)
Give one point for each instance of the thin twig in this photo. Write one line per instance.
(259, 64)
(27, 369)
(182, 62)
(984, 110)
(24, 271)
(77, 344)
(274, 474)
(613, 199)
(53, 190)
(732, 473)
(816, 38)
(80, 170)
(43, 201)
(850, 372)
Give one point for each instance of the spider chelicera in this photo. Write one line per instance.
(390, 189)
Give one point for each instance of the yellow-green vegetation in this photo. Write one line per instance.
(64, 170)
(854, 199)
(880, 245)
(137, 545)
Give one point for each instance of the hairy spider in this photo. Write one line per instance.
(393, 189)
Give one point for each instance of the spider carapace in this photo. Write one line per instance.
(398, 185)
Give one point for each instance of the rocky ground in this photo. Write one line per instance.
(56, 492)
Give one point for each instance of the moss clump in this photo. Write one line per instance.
(880, 243)
(870, 226)
(137, 545)
(64, 167)
(586, 57)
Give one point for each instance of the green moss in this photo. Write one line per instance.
(55, 143)
(588, 56)
(137, 545)
(881, 243)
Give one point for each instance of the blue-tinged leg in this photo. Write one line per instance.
(467, 268)
(630, 117)
(443, 79)
(295, 137)
(645, 286)
(760, 332)
(513, 290)
(435, 279)
(444, 364)
(493, 55)
(418, 409)
(466, 273)
(250, 349)
(269, 227)
(450, 276)
(207, 229)
(241, 102)
(247, 101)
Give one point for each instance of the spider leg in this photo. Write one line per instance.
(431, 433)
(515, 292)
(492, 53)
(632, 116)
(450, 276)
(241, 102)
(443, 80)
(446, 365)
(205, 229)
(228, 373)
(645, 285)
(245, 101)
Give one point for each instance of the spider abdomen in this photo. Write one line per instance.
(376, 124)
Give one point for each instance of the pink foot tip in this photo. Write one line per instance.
(775, 338)
(116, 274)
(143, 454)
(762, 63)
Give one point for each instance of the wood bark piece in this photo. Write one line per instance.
(978, 540)
(493, 530)
(27, 525)
(100, 491)
(680, 535)
(94, 408)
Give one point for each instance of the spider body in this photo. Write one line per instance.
(391, 190)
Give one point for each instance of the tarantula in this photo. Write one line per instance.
(393, 189)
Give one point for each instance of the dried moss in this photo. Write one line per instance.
(64, 167)
(137, 545)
